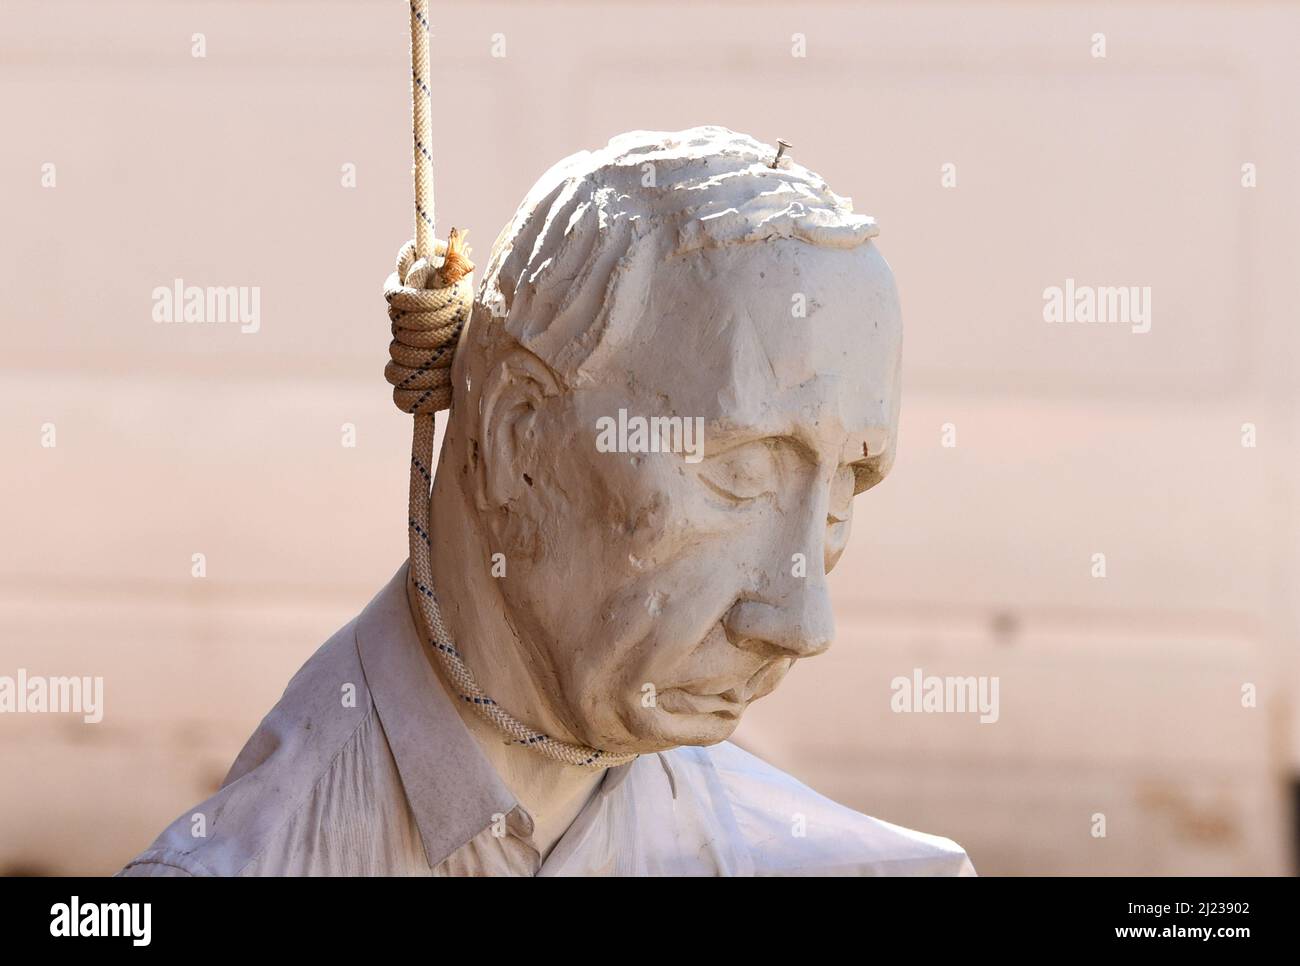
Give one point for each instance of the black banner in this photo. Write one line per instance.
(1171, 916)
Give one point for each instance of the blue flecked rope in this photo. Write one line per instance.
(429, 300)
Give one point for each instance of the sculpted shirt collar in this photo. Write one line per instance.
(452, 788)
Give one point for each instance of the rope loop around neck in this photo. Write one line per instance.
(430, 295)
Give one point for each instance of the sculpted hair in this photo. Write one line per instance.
(567, 277)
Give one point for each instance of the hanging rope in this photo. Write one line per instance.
(429, 300)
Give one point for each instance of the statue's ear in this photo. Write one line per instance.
(509, 433)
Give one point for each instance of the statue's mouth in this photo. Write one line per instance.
(701, 699)
(683, 701)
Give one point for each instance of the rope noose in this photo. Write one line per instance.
(429, 301)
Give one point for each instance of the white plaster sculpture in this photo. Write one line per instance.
(681, 367)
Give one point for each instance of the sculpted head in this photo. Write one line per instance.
(677, 275)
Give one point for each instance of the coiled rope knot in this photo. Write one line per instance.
(429, 302)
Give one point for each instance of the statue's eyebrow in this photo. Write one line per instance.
(866, 468)
(720, 441)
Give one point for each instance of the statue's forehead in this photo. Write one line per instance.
(769, 335)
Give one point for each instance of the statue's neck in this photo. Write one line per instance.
(469, 597)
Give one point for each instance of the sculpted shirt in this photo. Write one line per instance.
(393, 783)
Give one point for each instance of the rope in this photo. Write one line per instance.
(421, 108)
(429, 299)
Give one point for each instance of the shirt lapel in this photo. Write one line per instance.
(452, 788)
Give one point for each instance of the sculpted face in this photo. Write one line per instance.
(660, 593)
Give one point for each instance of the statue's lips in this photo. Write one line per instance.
(700, 699)
(681, 701)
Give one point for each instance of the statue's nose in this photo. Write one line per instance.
(800, 625)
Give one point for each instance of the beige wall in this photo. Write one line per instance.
(1119, 696)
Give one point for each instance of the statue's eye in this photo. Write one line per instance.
(743, 472)
(841, 500)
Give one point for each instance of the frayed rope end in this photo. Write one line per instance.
(456, 264)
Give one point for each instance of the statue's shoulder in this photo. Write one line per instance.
(790, 829)
(278, 796)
